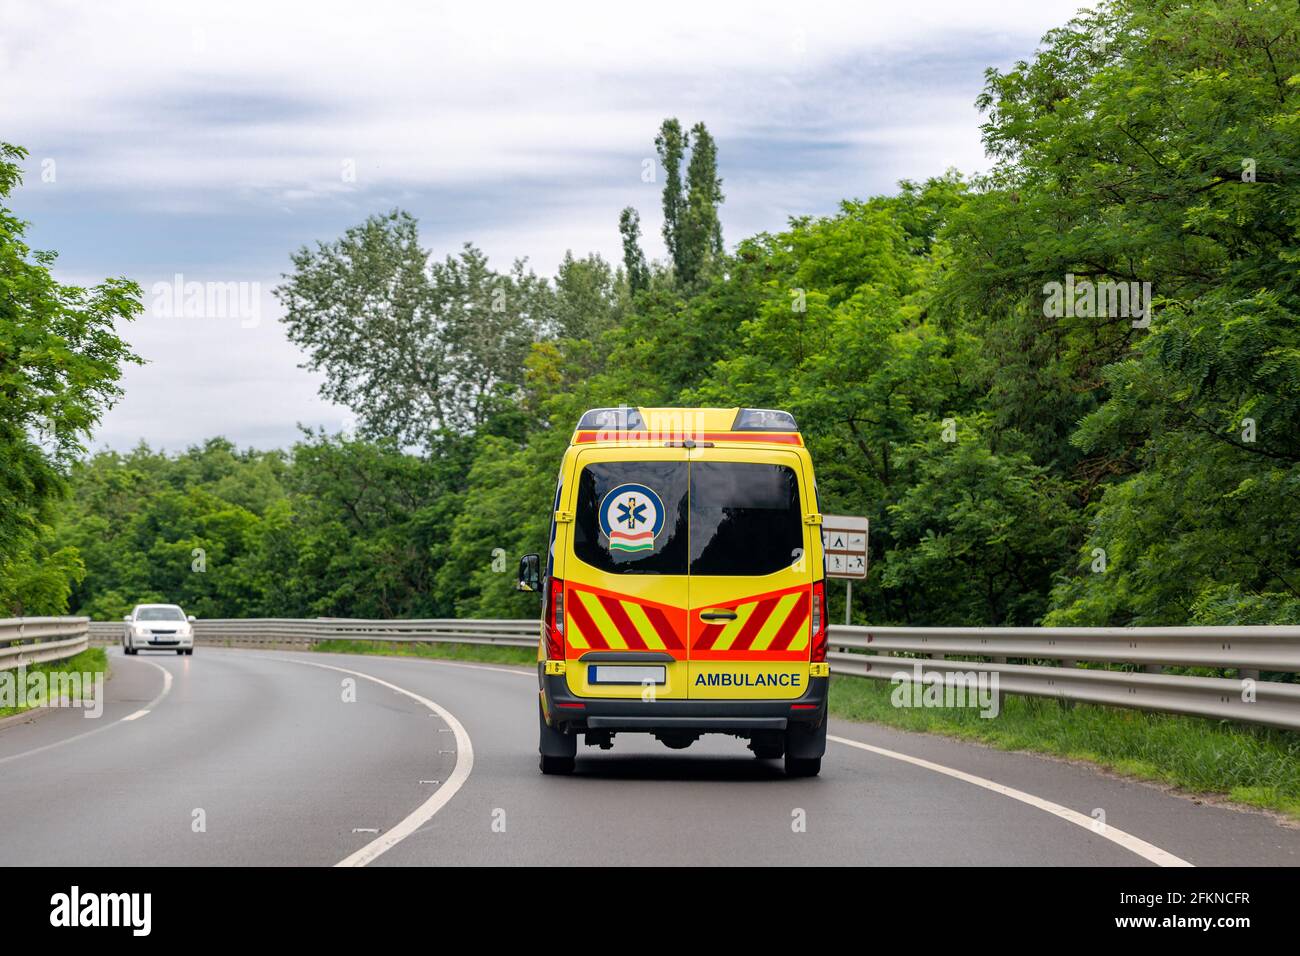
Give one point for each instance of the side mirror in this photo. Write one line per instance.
(127, 618)
(191, 618)
(530, 573)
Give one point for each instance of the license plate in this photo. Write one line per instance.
(625, 674)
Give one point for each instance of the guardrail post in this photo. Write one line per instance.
(1067, 662)
(1002, 695)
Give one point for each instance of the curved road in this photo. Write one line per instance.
(242, 757)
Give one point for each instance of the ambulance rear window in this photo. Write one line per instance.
(745, 518)
(631, 517)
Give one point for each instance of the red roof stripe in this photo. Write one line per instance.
(767, 438)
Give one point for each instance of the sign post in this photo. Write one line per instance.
(844, 539)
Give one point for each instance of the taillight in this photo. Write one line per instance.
(555, 621)
(818, 623)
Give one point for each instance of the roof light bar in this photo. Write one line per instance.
(763, 420)
(621, 418)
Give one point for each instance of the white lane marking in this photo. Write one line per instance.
(137, 715)
(425, 811)
(167, 689)
(1129, 842)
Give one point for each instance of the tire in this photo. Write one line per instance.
(804, 747)
(555, 750)
(555, 765)
(189, 652)
(802, 766)
(180, 652)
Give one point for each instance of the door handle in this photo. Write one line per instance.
(718, 615)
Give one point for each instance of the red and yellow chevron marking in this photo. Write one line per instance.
(772, 626)
(601, 620)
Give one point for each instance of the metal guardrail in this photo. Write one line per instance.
(1020, 657)
(35, 640)
(1254, 647)
(294, 632)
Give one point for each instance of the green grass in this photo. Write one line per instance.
(1258, 766)
(482, 653)
(93, 660)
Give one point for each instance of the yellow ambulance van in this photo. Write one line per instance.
(683, 590)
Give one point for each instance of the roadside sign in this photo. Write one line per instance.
(844, 540)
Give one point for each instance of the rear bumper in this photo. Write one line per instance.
(572, 714)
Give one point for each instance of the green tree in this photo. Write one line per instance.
(699, 231)
(634, 263)
(1152, 142)
(978, 534)
(60, 362)
(409, 344)
(586, 297)
(671, 144)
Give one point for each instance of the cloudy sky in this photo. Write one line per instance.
(207, 141)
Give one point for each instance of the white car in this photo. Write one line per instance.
(161, 627)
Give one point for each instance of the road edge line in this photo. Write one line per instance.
(167, 689)
(1148, 851)
(425, 811)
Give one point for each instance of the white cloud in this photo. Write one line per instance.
(212, 138)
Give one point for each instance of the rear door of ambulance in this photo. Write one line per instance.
(748, 618)
(625, 572)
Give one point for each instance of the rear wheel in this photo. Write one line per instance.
(180, 651)
(555, 750)
(802, 766)
(555, 765)
(804, 746)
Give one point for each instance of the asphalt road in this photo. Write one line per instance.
(254, 757)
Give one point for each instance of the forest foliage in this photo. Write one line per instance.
(1116, 461)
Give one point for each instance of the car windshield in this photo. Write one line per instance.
(159, 614)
